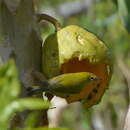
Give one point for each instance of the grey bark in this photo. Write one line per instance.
(20, 39)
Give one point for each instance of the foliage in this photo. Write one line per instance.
(124, 12)
(46, 128)
(11, 103)
(112, 24)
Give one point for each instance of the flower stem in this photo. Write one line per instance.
(49, 19)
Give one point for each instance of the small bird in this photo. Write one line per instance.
(66, 84)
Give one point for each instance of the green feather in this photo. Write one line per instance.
(67, 84)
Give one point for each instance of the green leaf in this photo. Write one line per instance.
(32, 104)
(46, 128)
(128, 5)
(124, 12)
(32, 119)
(21, 105)
(115, 1)
(9, 83)
(9, 92)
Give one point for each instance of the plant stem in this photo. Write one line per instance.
(49, 19)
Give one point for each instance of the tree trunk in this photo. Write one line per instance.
(20, 39)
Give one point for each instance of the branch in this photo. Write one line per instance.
(124, 68)
(126, 72)
(49, 19)
(127, 120)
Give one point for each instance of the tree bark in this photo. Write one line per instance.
(126, 72)
(20, 39)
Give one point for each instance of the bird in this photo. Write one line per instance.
(65, 85)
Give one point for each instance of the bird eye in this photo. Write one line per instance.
(93, 78)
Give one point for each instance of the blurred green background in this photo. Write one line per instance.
(110, 21)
